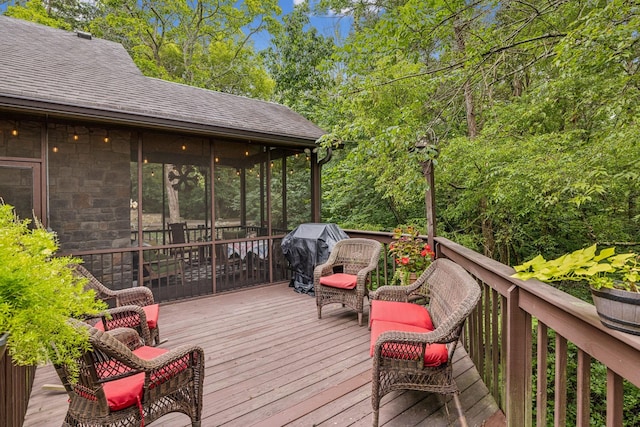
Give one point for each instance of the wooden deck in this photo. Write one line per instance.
(271, 362)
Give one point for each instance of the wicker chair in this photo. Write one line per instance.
(123, 383)
(417, 356)
(343, 278)
(134, 307)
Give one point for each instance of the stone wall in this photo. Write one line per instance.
(89, 187)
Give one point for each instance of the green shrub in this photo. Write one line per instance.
(38, 294)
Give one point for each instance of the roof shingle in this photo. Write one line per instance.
(59, 70)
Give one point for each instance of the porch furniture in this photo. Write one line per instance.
(259, 248)
(179, 235)
(412, 345)
(280, 263)
(124, 383)
(234, 234)
(158, 265)
(226, 263)
(343, 278)
(134, 307)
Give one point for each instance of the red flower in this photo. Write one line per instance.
(405, 260)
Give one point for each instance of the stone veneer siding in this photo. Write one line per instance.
(89, 188)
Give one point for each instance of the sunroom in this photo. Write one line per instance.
(182, 189)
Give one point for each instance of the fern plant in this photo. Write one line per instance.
(39, 294)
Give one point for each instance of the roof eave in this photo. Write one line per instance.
(64, 111)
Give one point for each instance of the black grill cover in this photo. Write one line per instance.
(305, 247)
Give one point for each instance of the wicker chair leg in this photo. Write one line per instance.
(461, 418)
(319, 312)
(359, 319)
(375, 417)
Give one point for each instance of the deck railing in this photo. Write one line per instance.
(526, 338)
(517, 329)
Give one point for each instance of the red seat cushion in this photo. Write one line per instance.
(401, 312)
(434, 355)
(339, 280)
(127, 391)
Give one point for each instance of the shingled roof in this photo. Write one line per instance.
(47, 70)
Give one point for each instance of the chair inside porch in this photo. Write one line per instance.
(276, 364)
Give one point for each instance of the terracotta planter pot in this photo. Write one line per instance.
(618, 309)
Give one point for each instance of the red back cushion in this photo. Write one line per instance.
(401, 312)
(339, 280)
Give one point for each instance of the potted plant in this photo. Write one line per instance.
(412, 255)
(614, 280)
(38, 295)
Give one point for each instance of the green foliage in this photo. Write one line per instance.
(603, 269)
(598, 388)
(555, 97)
(35, 11)
(297, 61)
(38, 295)
(203, 44)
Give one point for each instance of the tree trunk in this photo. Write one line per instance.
(472, 133)
(172, 196)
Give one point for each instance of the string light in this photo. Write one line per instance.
(14, 131)
(54, 149)
(184, 147)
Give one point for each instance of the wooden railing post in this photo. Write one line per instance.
(518, 384)
(430, 201)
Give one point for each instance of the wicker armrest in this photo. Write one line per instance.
(128, 316)
(175, 361)
(418, 289)
(390, 293)
(323, 270)
(140, 295)
(127, 336)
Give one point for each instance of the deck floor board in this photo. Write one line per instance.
(271, 362)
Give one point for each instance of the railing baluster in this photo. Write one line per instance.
(583, 398)
(560, 392)
(541, 385)
(614, 399)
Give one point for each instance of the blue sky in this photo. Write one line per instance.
(328, 25)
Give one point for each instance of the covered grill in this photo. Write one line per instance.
(307, 246)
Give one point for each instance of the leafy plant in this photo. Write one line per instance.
(600, 270)
(411, 253)
(39, 294)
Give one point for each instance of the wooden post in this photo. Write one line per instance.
(316, 194)
(430, 201)
(518, 362)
